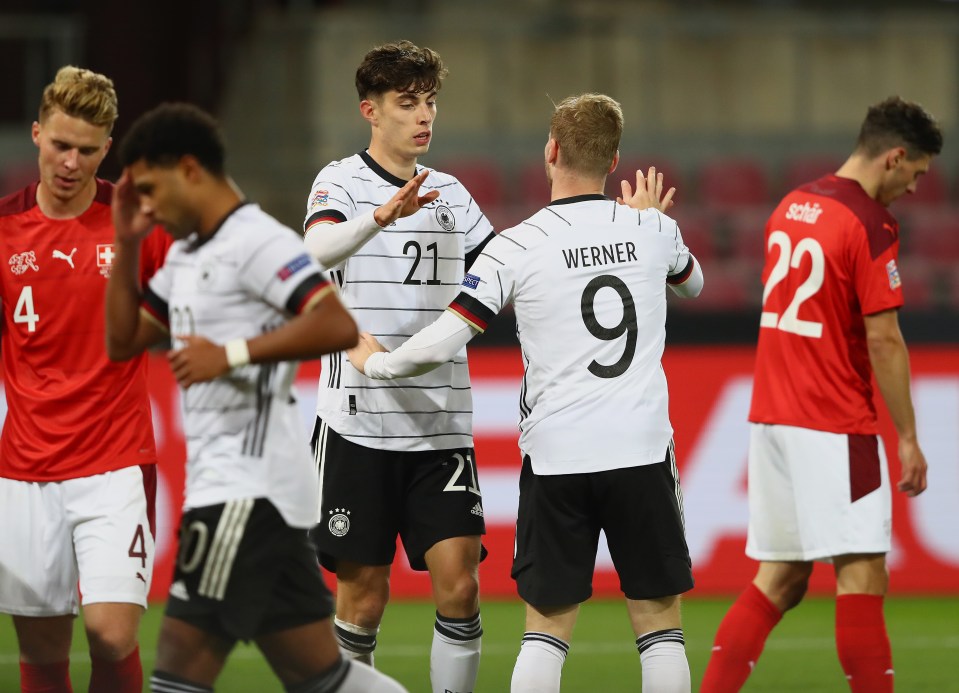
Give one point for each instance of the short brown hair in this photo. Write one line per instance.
(402, 66)
(81, 93)
(587, 128)
(898, 123)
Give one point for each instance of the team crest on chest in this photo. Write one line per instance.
(105, 257)
(339, 523)
(21, 262)
(206, 275)
(445, 218)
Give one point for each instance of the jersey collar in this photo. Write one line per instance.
(579, 198)
(197, 242)
(382, 172)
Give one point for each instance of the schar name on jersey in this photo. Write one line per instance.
(598, 255)
(293, 266)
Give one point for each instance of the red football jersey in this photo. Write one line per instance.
(831, 254)
(71, 412)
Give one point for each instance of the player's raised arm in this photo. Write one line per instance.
(649, 192)
(331, 243)
(129, 331)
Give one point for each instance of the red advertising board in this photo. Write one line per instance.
(709, 398)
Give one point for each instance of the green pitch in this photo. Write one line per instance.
(799, 656)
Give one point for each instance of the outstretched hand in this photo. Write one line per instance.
(649, 192)
(367, 346)
(405, 202)
(130, 223)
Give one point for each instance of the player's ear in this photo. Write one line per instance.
(368, 111)
(894, 157)
(552, 151)
(614, 164)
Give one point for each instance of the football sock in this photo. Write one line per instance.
(739, 641)
(863, 644)
(45, 678)
(356, 642)
(455, 655)
(361, 678)
(662, 654)
(123, 676)
(539, 665)
(162, 682)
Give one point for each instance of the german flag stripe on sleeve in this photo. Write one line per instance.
(684, 275)
(156, 308)
(308, 293)
(324, 215)
(472, 311)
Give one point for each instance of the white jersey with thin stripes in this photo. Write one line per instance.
(244, 433)
(587, 279)
(397, 283)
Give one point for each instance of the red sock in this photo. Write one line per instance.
(124, 676)
(862, 643)
(45, 678)
(739, 641)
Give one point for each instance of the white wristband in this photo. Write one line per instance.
(237, 353)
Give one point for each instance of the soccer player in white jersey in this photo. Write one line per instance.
(397, 458)
(242, 302)
(586, 276)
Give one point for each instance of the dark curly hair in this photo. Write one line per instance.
(898, 123)
(402, 66)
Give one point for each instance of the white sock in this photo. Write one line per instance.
(539, 665)
(455, 656)
(662, 654)
(365, 679)
(356, 642)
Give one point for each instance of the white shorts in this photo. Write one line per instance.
(814, 495)
(96, 530)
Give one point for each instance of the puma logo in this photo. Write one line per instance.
(140, 577)
(58, 255)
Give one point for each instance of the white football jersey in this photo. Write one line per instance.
(587, 279)
(244, 433)
(397, 283)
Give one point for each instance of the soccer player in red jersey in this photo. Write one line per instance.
(818, 481)
(77, 455)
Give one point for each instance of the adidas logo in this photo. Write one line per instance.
(178, 590)
(477, 509)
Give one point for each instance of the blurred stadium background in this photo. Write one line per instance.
(735, 101)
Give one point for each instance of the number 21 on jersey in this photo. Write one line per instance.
(790, 258)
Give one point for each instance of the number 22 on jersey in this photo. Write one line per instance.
(790, 258)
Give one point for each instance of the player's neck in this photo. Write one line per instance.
(56, 208)
(224, 198)
(403, 167)
(864, 172)
(566, 184)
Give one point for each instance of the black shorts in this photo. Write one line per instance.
(242, 572)
(558, 525)
(369, 496)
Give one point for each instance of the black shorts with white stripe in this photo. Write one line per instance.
(560, 518)
(242, 572)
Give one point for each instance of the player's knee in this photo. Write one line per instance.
(792, 592)
(111, 640)
(459, 597)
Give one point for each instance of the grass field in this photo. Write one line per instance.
(799, 656)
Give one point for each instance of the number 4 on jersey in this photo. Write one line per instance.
(24, 312)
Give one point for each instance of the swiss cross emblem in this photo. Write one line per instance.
(105, 257)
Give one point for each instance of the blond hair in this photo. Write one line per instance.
(83, 94)
(587, 128)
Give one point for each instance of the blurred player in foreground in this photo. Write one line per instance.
(586, 276)
(818, 479)
(242, 302)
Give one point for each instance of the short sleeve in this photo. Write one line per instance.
(490, 283)
(330, 199)
(281, 273)
(875, 275)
